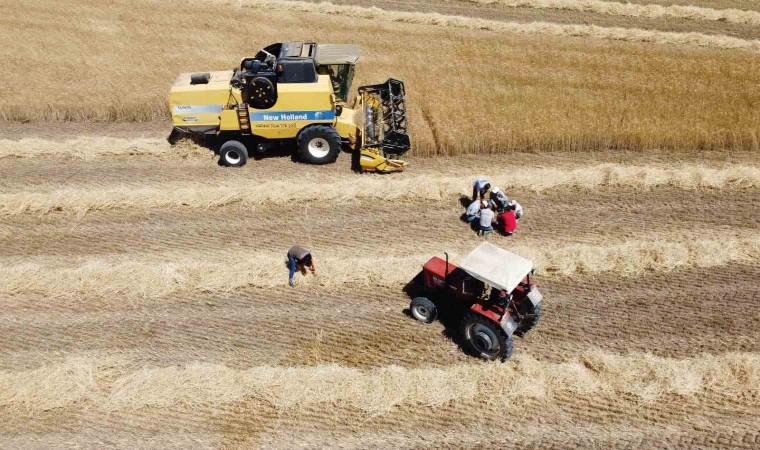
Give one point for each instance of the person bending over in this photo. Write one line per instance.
(480, 187)
(299, 259)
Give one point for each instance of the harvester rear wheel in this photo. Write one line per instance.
(485, 339)
(233, 154)
(423, 310)
(319, 144)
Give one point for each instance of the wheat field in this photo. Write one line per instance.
(143, 289)
(562, 86)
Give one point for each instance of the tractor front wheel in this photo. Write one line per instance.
(319, 144)
(485, 339)
(233, 154)
(423, 310)
(531, 315)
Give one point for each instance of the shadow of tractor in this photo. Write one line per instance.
(449, 313)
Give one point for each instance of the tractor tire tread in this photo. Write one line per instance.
(531, 322)
(427, 303)
(507, 341)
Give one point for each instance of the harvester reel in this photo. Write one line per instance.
(261, 94)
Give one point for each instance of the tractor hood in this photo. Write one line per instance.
(497, 267)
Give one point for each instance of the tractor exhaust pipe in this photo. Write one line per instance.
(446, 274)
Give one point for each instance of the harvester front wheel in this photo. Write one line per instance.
(423, 310)
(485, 339)
(233, 154)
(319, 144)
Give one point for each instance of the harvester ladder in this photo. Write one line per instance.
(243, 118)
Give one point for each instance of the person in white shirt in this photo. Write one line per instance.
(473, 211)
(499, 198)
(480, 186)
(518, 209)
(487, 219)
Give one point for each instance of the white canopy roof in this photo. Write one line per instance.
(337, 53)
(497, 267)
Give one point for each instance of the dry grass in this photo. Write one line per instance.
(409, 186)
(649, 11)
(170, 274)
(114, 62)
(636, 378)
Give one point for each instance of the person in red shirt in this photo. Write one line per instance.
(508, 220)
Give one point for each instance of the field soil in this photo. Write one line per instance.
(664, 357)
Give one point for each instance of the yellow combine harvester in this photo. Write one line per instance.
(294, 91)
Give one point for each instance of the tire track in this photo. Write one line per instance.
(663, 314)
(593, 218)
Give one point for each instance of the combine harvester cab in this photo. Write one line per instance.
(293, 93)
(495, 287)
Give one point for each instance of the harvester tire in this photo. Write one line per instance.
(319, 144)
(233, 154)
(485, 339)
(533, 316)
(423, 310)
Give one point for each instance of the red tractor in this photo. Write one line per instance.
(495, 286)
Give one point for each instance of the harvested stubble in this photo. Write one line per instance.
(555, 93)
(83, 200)
(116, 276)
(97, 147)
(636, 378)
(471, 23)
(651, 11)
(747, 5)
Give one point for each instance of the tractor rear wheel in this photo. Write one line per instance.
(423, 310)
(485, 339)
(319, 144)
(233, 154)
(531, 316)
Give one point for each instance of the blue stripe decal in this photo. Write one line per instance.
(292, 115)
(197, 109)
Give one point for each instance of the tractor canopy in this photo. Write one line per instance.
(496, 267)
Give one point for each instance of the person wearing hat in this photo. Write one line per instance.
(299, 259)
(480, 187)
(517, 208)
(499, 198)
(473, 211)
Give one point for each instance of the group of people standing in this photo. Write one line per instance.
(491, 207)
